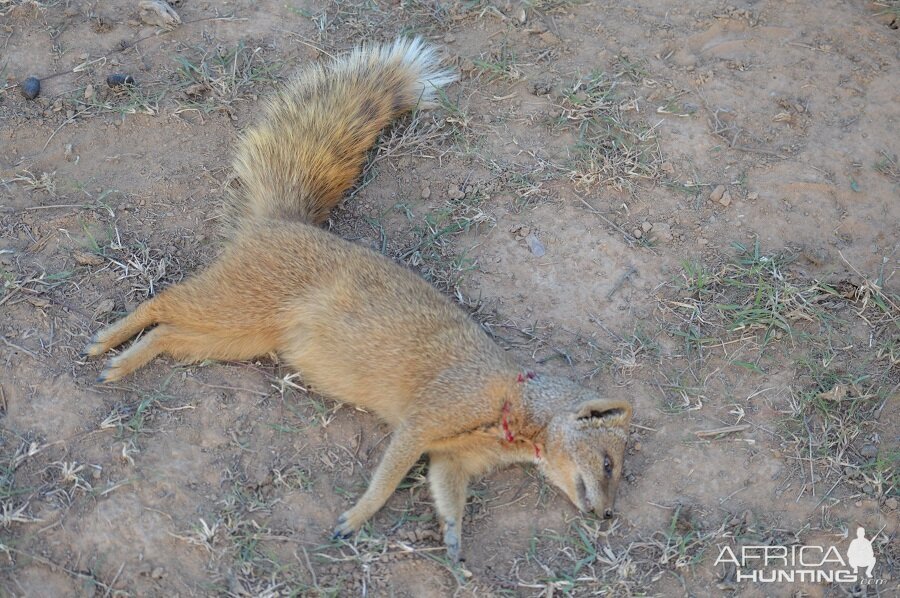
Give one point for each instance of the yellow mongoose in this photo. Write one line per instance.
(360, 328)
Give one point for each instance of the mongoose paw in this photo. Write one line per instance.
(111, 372)
(345, 527)
(93, 348)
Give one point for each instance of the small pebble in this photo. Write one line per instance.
(548, 38)
(88, 92)
(454, 192)
(725, 200)
(449, 38)
(535, 245)
(869, 451)
(104, 307)
(717, 193)
(83, 258)
(638, 233)
(31, 87)
(663, 231)
(646, 226)
(891, 503)
(426, 192)
(753, 196)
(118, 80)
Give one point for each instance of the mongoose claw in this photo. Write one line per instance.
(102, 378)
(344, 529)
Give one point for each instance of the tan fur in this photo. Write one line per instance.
(360, 328)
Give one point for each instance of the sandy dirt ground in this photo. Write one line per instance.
(691, 205)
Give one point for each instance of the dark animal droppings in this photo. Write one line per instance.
(31, 87)
(118, 80)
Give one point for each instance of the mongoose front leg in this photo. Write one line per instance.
(402, 452)
(449, 479)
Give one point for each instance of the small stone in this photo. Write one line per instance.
(158, 13)
(104, 307)
(521, 232)
(84, 56)
(83, 258)
(891, 503)
(535, 245)
(725, 200)
(701, 241)
(426, 192)
(69, 153)
(548, 38)
(37, 301)
(646, 227)
(88, 92)
(637, 233)
(869, 451)
(119, 79)
(667, 167)
(70, 114)
(522, 16)
(454, 192)
(196, 90)
(663, 230)
(753, 196)
(449, 38)
(637, 447)
(158, 573)
(31, 88)
(541, 87)
(717, 193)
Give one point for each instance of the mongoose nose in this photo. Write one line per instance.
(607, 514)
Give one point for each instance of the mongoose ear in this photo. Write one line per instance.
(603, 413)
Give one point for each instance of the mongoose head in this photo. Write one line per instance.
(585, 445)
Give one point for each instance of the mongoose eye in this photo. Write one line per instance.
(607, 466)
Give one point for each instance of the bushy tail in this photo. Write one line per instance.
(310, 145)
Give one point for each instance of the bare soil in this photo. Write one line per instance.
(692, 205)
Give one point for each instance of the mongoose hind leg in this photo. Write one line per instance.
(113, 336)
(139, 354)
(402, 452)
(448, 479)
